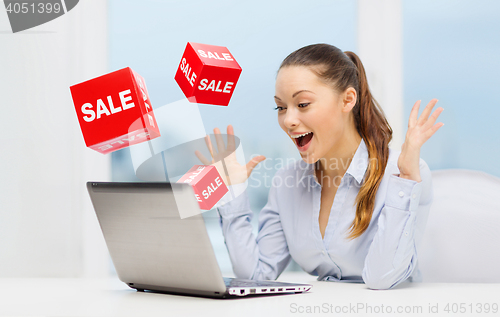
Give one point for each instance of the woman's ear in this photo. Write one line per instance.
(349, 98)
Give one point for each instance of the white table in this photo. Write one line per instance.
(110, 297)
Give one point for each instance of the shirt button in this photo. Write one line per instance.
(406, 233)
(401, 194)
(414, 196)
(324, 253)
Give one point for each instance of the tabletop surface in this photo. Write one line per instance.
(111, 297)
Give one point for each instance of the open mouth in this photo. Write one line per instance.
(304, 140)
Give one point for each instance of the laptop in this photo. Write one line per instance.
(152, 248)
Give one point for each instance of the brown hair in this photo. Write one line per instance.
(344, 70)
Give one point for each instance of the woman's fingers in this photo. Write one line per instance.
(202, 158)
(220, 143)
(231, 147)
(427, 125)
(253, 162)
(209, 145)
(414, 114)
(425, 114)
(430, 132)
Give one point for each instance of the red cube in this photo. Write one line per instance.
(114, 111)
(207, 74)
(207, 184)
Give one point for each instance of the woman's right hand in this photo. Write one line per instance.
(236, 173)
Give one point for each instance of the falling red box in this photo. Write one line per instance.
(114, 111)
(207, 74)
(207, 184)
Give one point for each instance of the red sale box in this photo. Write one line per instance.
(207, 184)
(207, 74)
(114, 111)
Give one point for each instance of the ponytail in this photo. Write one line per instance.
(377, 133)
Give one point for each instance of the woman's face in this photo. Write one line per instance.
(307, 104)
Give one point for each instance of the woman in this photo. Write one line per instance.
(352, 209)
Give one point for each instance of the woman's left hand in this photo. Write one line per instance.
(419, 131)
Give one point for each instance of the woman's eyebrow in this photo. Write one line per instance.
(298, 92)
(295, 94)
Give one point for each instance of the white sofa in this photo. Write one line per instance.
(461, 242)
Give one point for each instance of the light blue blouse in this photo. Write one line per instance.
(382, 257)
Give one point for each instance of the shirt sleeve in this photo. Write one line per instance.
(392, 256)
(259, 258)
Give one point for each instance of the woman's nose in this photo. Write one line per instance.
(291, 118)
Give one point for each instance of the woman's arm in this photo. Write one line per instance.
(261, 258)
(392, 256)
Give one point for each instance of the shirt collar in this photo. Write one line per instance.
(356, 169)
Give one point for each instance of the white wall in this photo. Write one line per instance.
(381, 51)
(47, 225)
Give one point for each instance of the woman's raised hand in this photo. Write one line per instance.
(235, 173)
(420, 129)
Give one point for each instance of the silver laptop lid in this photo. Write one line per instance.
(148, 241)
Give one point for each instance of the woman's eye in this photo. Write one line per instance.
(300, 105)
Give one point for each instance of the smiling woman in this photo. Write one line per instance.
(358, 221)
